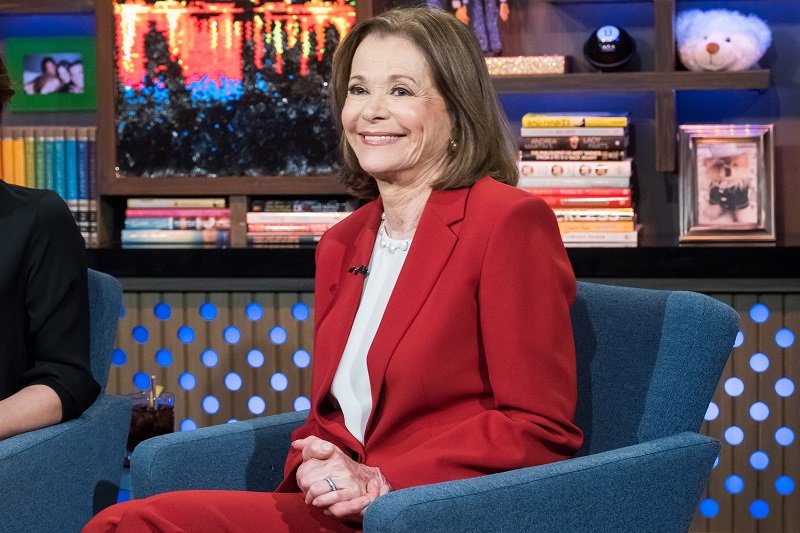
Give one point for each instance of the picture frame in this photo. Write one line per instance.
(52, 73)
(726, 184)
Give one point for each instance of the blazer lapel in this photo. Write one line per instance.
(433, 243)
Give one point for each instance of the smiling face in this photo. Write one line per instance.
(393, 117)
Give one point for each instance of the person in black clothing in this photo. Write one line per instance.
(45, 374)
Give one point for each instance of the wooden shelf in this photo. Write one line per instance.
(225, 186)
(633, 81)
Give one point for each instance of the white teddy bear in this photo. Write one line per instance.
(720, 39)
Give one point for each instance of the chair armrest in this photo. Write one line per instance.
(64, 474)
(247, 455)
(652, 486)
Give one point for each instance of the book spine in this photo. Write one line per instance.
(575, 168)
(179, 212)
(599, 236)
(298, 218)
(30, 158)
(178, 236)
(583, 183)
(567, 226)
(18, 144)
(71, 170)
(165, 203)
(91, 146)
(7, 157)
(41, 181)
(593, 192)
(573, 132)
(533, 120)
(281, 239)
(82, 148)
(591, 142)
(609, 214)
(603, 201)
(60, 163)
(308, 228)
(49, 151)
(572, 155)
(302, 206)
(176, 223)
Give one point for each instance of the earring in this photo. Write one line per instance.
(452, 145)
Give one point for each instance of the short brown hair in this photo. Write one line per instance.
(483, 141)
(6, 92)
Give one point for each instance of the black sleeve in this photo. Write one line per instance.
(57, 304)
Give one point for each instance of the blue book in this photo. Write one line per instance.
(71, 171)
(40, 169)
(59, 163)
(49, 151)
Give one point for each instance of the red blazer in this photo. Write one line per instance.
(472, 369)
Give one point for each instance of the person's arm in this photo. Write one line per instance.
(57, 307)
(31, 408)
(525, 291)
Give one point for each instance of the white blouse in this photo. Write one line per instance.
(351, 383)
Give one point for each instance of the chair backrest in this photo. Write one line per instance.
(105, 300)
(648, 361)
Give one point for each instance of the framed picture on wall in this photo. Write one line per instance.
(52, 73)
(726, 183)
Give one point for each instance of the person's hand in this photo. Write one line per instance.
(504, 11)
(331, 480)
(461, 14)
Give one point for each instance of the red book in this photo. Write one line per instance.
(578, 201)
(587, 192)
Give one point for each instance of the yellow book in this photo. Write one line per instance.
(569, 226)
(7, 150)
(30, 157)
(544, 120)
(18, 143)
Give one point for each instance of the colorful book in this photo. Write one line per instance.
(179, 212)
(593, 192)
(575, 142)
(176, 223)
(163, 203)
(299, 228)
(564, 183)
(71, 171)
(296, 218)
(176, 236)
(18, 147)
(82, 148)
(573, 120)
(599, 214)
(568, 226)
(573, 155)
(622, 168)
(7, 156)
(49, 153)
(572, 132)
(59, 163)
(30, 157)
(573, 201)
(266, 239)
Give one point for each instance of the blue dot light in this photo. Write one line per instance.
(255, 358)
(277, 335)
(784, 485)
(759, 313)
(759, 460)
(300, 311)
(739, 340)
(209, 358)
(118, 358)
(208, 311)
(784, 436)
(256, 405)
(759, 411)
(186, 334)
(233, 381)
(301, 359)
(140, 334)
(141, 381)
(210, 404)
(784, 338)
(734, 386)
(187, 381)
(301, 403)
(709, 508)
(162, 311)
(278, 382)
(187, 424)
(734, 435)
(759, 362)
(734, 484)
(232, 335)
(784, 387)
(254, 311)
(164, 358)
(759, 509)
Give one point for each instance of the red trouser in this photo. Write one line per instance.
(215, 511)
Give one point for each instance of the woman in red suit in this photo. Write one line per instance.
(443, 345)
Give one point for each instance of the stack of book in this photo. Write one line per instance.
(59, 158)
(292, 222)
(176, 223)
(581, 166)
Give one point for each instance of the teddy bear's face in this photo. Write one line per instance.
(717, 50)
(728, 171)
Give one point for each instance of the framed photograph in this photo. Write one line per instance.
(726, 183)
(52, 73)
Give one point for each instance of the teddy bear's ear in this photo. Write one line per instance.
(760, 31)
(684, 22)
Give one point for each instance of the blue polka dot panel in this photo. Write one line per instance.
(231, 356)
(755, 413)
(225, 355)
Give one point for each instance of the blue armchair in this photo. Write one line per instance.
(648, 363)
(57, 478)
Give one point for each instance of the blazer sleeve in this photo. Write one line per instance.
(525, 291)
(57, 304)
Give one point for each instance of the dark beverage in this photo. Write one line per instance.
(147, 421)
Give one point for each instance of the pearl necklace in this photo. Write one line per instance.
(386, 242)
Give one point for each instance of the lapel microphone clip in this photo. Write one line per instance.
(363, 270)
